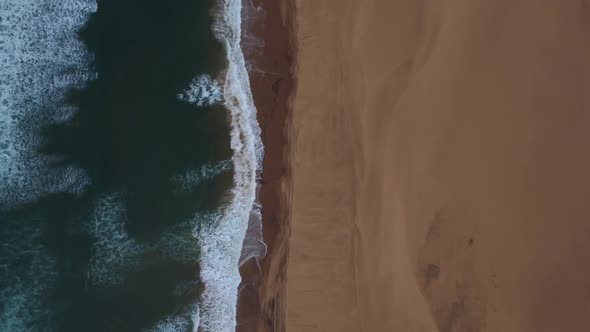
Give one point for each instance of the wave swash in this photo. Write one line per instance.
(221, 245)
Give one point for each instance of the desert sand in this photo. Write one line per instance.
(439, 156)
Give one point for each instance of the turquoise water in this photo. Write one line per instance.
(121, 164)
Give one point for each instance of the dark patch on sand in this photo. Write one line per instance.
(448, 277)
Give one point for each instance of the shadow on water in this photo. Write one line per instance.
(131, 136)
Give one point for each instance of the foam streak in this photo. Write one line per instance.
(222, 244)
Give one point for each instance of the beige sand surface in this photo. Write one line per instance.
(440, 167)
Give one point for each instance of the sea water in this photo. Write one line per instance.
(129, 154)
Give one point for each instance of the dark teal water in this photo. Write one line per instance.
(113, 251)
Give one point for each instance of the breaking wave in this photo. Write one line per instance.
(114, 251)
(202, 91)
(221, 244)
(190, 179)
(40, 60)
(188, 320)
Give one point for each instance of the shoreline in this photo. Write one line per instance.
(261, 296)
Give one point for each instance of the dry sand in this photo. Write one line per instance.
(440, 167)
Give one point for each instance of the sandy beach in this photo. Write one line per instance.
(440, 156)
(262, 295)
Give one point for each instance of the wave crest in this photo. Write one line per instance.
(222, 243)
(40, 60)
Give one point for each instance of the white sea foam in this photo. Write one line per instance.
(221, 241)
(179, 323)
(22, 286)
(178, 244)
(21, 300)
(202, 91)
(114, 251)
(253, 246)
(190, 179)
(40, 59)
(252, 44)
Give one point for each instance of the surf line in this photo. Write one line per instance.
(221, 244)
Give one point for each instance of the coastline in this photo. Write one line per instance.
(262, 292)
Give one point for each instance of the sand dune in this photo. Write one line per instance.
(440, 158)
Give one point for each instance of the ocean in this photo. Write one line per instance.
(129, 159)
